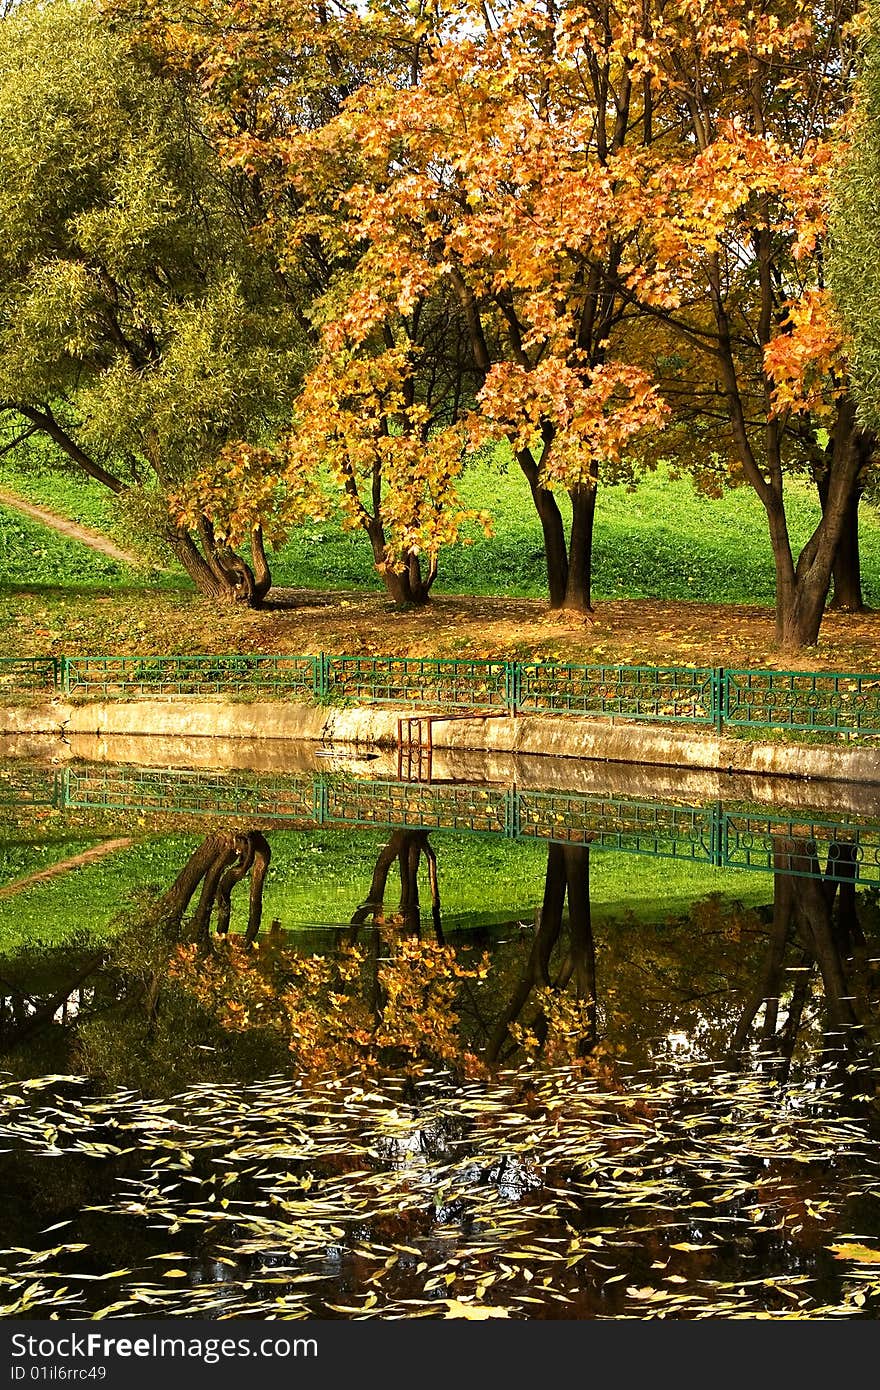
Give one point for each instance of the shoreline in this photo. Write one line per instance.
(188, 724)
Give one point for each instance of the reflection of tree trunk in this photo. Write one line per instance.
(175, 901)
(218, 864)
(771, 976)
(407, 847)
(568, 873)
(819, 914)
(262, 855)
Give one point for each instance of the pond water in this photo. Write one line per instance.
(322, 1044)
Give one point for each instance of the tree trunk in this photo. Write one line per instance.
(580, 552)
(802, 589)
(219, 573)
(847, 567)
(799, 612)
(262, 572)
(405, 584)
(554, 544)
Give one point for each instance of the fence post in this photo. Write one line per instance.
(64, 675)
(719, 687)
(320, 682)
(717, 846)
(320, 799)
(511, 813)
(62, 789)
(512, 686)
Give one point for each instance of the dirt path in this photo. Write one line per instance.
(67, 528)
(86, 857)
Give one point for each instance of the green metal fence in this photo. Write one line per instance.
(671, 694)
(803, 701)
(663, 830)
(806, 845)
(28, 673)
(452, 684)
(112, 676)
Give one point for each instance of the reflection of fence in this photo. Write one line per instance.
(636, 827)
(710, 834)
(754, 840)
(821, 702)
(27, 786)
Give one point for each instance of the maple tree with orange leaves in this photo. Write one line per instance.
(618, 214)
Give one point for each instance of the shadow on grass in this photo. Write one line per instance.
(173, 585)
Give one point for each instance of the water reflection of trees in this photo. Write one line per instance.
(818, 938)
(217, 866)
(408, 847)
(567, 876)
(545, 996)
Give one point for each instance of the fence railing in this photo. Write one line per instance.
(114, 676)
(29, 673)
(802, 701)
(803, 843)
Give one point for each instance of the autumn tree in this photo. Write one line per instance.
(732, 229)
(470, 189)
(625, 206)
(141, 330)
(486, 181)
(569, 176)
(379, 418)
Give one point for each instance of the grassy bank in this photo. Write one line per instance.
(661, 541)
(678, 580)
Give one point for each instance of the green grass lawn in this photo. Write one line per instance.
(33, 554)
(321, 877)
(660, 541)
(29, 854)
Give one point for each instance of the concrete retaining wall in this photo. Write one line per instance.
(568, 736)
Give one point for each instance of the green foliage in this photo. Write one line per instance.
(35, 471)
(32, 554)
(661, 540)
(28, 855)
(89, 898)
(854, 269)
(133, 306)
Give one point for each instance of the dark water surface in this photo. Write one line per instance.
(325, 1045)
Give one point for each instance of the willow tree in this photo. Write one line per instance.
(140, 329)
